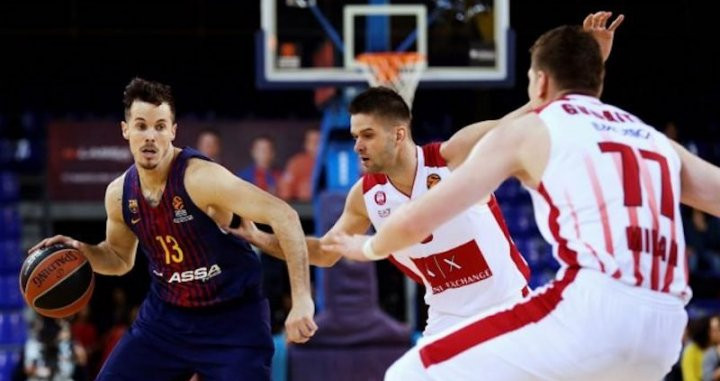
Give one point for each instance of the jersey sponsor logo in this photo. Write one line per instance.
(455, 268)
(201, 273)
(380, 198)
(633, 132)
(384, 213)
(432, 180)
(181, 215)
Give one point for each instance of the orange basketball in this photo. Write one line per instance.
(57, 281)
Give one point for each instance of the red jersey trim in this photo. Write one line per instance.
(433, 158)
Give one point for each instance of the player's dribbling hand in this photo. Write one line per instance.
(349, 246)
(300, 325)
(596, 24)
(59, 239)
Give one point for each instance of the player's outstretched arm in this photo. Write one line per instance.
(353, 220)
(700, 182)
(456, 149)
(212, 186)
(115, 255)
(596, 24)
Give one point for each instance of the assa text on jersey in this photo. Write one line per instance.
(200, 273)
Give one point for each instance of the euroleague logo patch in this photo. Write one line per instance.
(432, 180)
(181, 215)
(380, 198)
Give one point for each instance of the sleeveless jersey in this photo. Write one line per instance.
(192, 262)
(468, 264)
(609, 196)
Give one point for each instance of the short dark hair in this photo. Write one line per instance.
(381, 102)
(572, 57)
(148, 91)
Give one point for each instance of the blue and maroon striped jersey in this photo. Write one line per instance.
(192, 262)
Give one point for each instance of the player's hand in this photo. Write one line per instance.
(596, 24)
(60, 239)
(247, 230)
(299, 325)
(349, 246)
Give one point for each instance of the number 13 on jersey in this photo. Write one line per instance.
(176, 255)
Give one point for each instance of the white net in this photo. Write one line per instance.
(398, 71)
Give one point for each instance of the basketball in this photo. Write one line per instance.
(57, 281)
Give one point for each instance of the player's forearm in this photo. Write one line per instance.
(269, 244)
(291, 240)
(104, 260)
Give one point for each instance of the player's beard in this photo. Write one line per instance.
(380, 162)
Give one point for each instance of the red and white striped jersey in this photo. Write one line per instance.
(468, 264)
(609, 196)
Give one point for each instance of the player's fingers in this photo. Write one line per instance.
(49, 242)
(603, 20)
(597, 17)
(587, 23)
(37, 246)
(615, 24)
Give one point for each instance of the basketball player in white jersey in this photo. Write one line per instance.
(606, 189)
(468, 265)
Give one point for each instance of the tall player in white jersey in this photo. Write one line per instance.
(606, 190)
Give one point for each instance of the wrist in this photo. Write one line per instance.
(369, 252)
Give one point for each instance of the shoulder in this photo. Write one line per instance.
(355, 200)
(433, 153)
(114, 196)
(202, 169)
(114, 190)
(369, 180)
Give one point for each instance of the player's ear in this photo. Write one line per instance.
(543, 84)
(124, 127)
(173, 129)
(400, 133)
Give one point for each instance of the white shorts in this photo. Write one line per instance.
(583, 326)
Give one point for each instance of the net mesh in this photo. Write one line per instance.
(399, 71)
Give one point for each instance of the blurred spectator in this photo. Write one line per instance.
(50, 354)
(711, 358)
(261, 172)
(700, 336)
(296, 182)
(117, 331)
(208, 143)
(85, 334)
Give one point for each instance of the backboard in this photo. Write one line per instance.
(313, 43)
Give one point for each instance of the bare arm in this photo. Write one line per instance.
(353, 220)
(456, 149)
(212, 186)
(115, 255)
(700, 182)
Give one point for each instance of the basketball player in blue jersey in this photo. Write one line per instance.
(205, 313)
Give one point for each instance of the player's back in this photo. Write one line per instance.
(609, 195)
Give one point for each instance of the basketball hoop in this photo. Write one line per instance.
(399, 71)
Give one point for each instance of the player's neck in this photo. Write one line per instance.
(402, 174)
(153, 180)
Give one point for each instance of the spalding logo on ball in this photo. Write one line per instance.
(57, 281)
